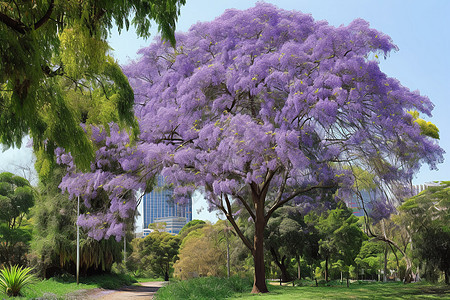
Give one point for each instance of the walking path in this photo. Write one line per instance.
(145, 290)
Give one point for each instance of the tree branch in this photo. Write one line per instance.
(46, 17)
(247, 207)
(280, 203)
(13, 24)
(20, 27)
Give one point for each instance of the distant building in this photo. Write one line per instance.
(356, 205)
(159, 207)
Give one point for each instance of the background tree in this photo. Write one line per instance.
(268, 102)
(16, 198)
(160, 250)
(285, 237)
(202, 253)
(50, 48)
(341, 237)
(54, 218)
(370, 258)
(427, 217)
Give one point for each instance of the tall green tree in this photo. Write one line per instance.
(427, 217)
(161, 251)
(341, 237)
(50, 48)
(16, 198)
(285, 237)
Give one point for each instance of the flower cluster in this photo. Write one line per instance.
(261, 97)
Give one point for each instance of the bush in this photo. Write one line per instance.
(14, 279)
(205, 288)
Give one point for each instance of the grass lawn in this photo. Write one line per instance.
(208, 288)
(56, 288)
(392, 290)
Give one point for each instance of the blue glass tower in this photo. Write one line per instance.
(159, 207)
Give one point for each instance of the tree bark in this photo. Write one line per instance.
(326, 269)
(259, 284)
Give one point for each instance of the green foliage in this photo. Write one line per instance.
(341, 237)
(370, 257)
(191, 226)
(14, 279)
(427, 217)
(287, 236)
(159, 251)
(54, 233)
(205, 288)
(203, 252)
(67, 288)
(427, 128)
(50, 49)
(16, 198)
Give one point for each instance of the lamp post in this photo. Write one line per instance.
(78, 242)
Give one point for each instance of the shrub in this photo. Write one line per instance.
(14, 279)
(204, 288)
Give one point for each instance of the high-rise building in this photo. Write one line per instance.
(159, 207)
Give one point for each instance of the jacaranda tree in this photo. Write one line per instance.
(259, 107)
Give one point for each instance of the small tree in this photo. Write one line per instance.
(160, 251)
(285, 237)
(16, 198)
(427, 217)
(341, 238)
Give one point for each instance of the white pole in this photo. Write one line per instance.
(78, 243)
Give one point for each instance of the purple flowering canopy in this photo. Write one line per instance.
(258, 107)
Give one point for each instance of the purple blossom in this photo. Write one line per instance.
(257, 98)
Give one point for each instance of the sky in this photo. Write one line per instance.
(420, 29)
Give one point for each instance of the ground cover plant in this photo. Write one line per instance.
(58, 287)
(258, 108)
(14, 279)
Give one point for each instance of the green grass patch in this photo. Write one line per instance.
(375, 290)
(56, 288)
(148, 279)
(204, 288)
(236, 288)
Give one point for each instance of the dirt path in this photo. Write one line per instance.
(145, 290)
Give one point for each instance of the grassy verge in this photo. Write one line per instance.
(148, 279)
(56, 288)
(204, 288)
(235, 288)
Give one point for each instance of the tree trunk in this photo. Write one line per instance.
(259, 283)
(299, 277)
(326, 269)
(385, 264)
(284, 273)
(447, 281)
(348, 275)
(166, 276)
(281, 265)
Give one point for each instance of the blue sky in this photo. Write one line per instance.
(421, 30)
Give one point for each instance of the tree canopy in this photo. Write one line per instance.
(16, 198)
(51, 49)
(260, 107)
(427, 217)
